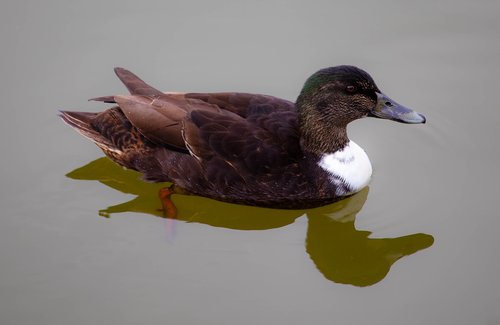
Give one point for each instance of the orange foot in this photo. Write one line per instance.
(168, 206)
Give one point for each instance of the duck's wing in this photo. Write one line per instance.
(243, 104)
(232, 147)
(160, 116)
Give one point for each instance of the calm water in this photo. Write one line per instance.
(83, 241)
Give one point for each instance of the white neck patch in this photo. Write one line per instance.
(350, 169)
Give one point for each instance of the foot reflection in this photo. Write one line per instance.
(341, 253)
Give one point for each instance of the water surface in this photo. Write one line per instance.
(83, 241)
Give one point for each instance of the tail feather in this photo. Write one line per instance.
(81, 122)
(105, 99)
(111, 130)
(135, 85)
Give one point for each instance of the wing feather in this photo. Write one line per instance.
(244, 146)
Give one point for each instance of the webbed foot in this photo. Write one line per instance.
(169, 208)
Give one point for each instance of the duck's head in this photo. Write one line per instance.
(333, 97)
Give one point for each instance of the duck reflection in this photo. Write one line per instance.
(340, 252)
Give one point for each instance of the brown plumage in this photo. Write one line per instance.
(235, 147)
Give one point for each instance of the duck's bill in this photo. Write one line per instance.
(387, 108)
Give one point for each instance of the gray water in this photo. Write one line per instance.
(83, 242)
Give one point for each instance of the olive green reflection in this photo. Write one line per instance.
(339, 251)
(346, 255)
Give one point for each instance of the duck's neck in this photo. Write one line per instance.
(320, 134)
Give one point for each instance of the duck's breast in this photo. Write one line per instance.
(349, 169)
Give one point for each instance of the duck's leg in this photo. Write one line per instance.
(169, 208)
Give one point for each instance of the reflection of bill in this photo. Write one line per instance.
(339, 251)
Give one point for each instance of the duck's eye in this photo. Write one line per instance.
(350, 89)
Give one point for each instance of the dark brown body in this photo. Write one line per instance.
(246, 148)
(234, 147)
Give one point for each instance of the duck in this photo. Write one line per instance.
(245, 148)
